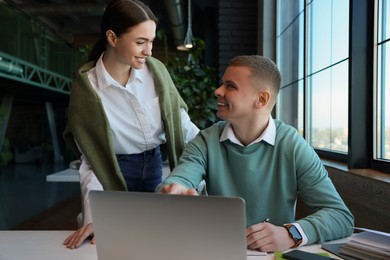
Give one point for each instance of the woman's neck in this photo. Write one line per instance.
(118, 71)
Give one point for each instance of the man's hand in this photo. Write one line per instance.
(268, 238)
(175, 188)
(78, 237)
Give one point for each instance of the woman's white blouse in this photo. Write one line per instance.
(133, 112)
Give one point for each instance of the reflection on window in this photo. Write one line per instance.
(290, 31)
(383, 79)
(329, 108)
(290, 105)
(323, 89)
(328, 74)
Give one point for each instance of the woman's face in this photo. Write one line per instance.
(133, 47)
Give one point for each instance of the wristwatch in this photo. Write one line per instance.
(294, 234)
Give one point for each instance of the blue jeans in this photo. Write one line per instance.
(143, 171)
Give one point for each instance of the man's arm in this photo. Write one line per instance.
(190, 171)
(331, 219)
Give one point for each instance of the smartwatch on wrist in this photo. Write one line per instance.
(294, 234)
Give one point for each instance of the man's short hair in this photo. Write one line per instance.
(262, 68)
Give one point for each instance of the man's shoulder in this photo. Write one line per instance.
(284, 128)
(213, 132)
(287, 134)
(215, 128)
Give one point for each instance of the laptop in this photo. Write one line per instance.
(151, 226)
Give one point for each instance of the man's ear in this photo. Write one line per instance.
(111, 38)
(263, 99)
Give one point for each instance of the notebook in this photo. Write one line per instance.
(150, 226)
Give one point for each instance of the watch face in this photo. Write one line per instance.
(294, 232)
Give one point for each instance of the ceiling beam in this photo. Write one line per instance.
(63, 9)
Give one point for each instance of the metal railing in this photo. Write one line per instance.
(25, 72)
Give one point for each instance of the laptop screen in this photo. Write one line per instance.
(133, 225)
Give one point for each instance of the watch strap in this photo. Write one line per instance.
(297, 240)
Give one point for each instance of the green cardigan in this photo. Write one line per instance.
(88, 124)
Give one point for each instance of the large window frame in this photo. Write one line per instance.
(379, 89)
(362, 93)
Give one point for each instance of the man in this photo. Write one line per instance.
(262, 160)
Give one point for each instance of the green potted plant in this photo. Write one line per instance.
(196, 83)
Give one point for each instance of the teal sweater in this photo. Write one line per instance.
(88, 124)
(268, 178)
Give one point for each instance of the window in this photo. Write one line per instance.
(290, 51)
(383, 82)
(334, 59)
(327, 79)
(314, 91)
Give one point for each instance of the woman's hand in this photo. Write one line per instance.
(78, 237)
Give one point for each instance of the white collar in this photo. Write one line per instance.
(105, 80)
(268, 135)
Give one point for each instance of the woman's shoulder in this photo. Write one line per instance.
(154, 62)
(86, 67)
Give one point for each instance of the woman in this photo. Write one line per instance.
(123, 106)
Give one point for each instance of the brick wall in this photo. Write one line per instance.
(237, 26)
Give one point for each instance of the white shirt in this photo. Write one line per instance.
(268, 135)
(134, 115)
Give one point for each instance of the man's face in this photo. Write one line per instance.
(237, 95)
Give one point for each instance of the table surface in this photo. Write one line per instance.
(72, 175)
(67, 175)
(47, 245)
(44, 245)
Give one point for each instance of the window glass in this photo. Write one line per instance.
(384, 16)
(340, 30)
(329, 102)
(386, 110)
(319, 127)
(288, 11)
(290, 105)
(319, 40)
(290, 52)
(290, 55)
(383, 79)
(313, 56)
(328, 33)
(327, 81)
(386, 103)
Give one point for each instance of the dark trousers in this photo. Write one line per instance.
(143, 171)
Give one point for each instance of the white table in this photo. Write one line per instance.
(47, 245)
(67, 175)
(43, 245)
(72, 175)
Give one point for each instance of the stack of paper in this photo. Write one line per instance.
(369, 244)
(250, 252)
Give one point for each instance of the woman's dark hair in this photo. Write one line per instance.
(119, 16)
